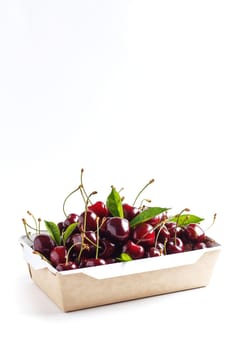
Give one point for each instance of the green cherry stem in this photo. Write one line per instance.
(139, 193)
(66, 198)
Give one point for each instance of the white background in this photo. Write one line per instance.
(129, 91)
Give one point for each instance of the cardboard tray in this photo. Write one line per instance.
(122, 281)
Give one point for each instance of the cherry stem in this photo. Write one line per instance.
(34, 219)
(68, 196)
(28, 234)
(84, 191)
(97, 238)
(179, 215)
(139, 193)
(214, 219)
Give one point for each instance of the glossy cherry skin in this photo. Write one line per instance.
(174, 245)
(43, 244)
(71, 219)
(144, 235)
(152, 252)
(100, 209)
(90, 262)
(87, 242)
(194, 233)
(70, 265)
(58, 255)
(199, 245)
(106, 248)
(162, 234)
(90, 218)
(117, 229)
(130, 211)
(156, 220)
(135, 251)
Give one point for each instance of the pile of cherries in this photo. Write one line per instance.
(113, 231)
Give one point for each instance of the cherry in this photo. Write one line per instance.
(70, 219)
(144, 235)
(135, 251)
(194, 233)
(106, 248)
(89, 262)
(99, 208)
(130, 211)
(43, 244)
(117, 229)
(58, 255)
(174, 245)
(70, 265)
(88, 220)
(199, 245)
(152, 252)
(210, 242)
(156, 220)
(86, 241)
(163, 234)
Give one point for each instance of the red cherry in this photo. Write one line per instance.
(58, 255)
(130, 211)
(89, 262)
(174, 245)
(71, 219)
(70, 265)
(199, 245)
(117, 229)
(144, 235)
(99, 208)
(90, 218)
(43, 244)
(135, 251)
(152, 252)
(194, 233)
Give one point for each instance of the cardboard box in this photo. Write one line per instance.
(122, 281)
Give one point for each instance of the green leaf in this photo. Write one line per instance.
(185, 219)
(69, 230)
(53, 231)
(146, 215)
(124, 257)
(114, 203)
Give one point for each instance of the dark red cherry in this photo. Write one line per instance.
(99, 208)
(71, 219)
(194, 233)
(199, 245)
(88, 221)
(130, 211)
(174, 245)
(117, 229)
(210, 242)
(162, 234)
(156, 220)
(58, 255)
(70, 265)
(144, 235)
(152, 252)
(106, 248)
(86, 241)
(135, 251)
(43, 244)
(89, 262)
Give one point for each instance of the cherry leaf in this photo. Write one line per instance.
(124, 257)
(53, 231)
(69, 230)
(114, 203)
(185, 219)
(146, 215)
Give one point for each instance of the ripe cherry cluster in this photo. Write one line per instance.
(113, 231)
